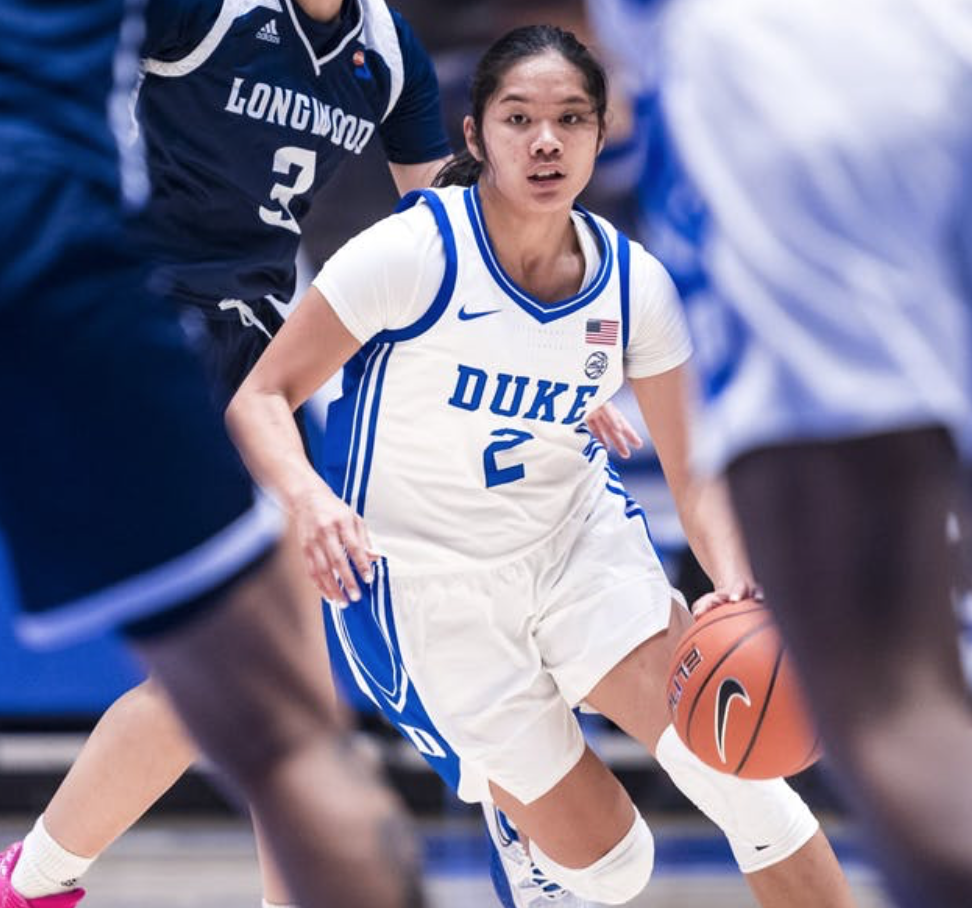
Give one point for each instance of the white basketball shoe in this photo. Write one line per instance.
(518, 882)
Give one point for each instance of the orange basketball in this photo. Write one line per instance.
(734, 697)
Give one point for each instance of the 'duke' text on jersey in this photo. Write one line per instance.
(512, 395)
(294, 109)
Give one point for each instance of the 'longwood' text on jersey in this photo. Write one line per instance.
(300, 112)
(245, 122)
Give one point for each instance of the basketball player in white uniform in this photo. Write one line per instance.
(832, 148)
(366, 63)
(494, 582)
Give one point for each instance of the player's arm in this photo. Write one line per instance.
(656, 359)
(312, 345)
(413, 133)
(703, 503)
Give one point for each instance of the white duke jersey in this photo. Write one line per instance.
(833, 149)
(460, 435)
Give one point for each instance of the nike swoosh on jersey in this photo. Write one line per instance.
(728, 689)
(468, 316)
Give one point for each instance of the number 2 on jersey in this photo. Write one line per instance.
(284, 160)
(505, 439)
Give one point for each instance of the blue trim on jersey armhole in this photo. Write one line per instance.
(444, 294)
(541, 311)
(624, 274)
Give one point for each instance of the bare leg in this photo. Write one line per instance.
(275, 891)
(809, 878)
(632, 695)
(250, 681)
(135, 754)
(580, 819)
(848, 540)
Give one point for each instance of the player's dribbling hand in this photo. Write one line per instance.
(332, 538)
(611, 429)
(742, 589)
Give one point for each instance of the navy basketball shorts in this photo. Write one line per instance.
(121, 497)
(230, 335)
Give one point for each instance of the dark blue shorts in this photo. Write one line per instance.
(230, 337)
(120, 494)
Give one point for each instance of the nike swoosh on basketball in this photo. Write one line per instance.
(728, 689)
(468, 316)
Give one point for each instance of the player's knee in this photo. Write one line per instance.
(613, 879)
(764, 821)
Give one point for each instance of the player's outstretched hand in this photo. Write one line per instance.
(612, 430)
(332, 537)
(741, 589)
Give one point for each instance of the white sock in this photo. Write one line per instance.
(267, 904)
(45, 868)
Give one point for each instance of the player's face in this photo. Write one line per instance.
(540, 133)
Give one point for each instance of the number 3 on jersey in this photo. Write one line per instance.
(505, 439)
(300, 165)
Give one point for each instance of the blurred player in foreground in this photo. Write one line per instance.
(834, 161)
(122, 503)
(246, 111)
(517, 579)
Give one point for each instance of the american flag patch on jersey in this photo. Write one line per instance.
(601, 331)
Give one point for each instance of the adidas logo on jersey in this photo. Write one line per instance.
(269, 32)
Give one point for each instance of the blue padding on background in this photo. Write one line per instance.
(80, 680)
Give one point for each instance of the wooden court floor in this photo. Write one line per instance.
(210, 864)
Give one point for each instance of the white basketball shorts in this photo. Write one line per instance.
(482, 670)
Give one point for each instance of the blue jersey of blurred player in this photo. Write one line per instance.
(70, 280)
(835, 243)
(244, 109)
(639, 166)
(122, 502)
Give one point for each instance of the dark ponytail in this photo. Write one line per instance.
(514, 46)
(462, 170)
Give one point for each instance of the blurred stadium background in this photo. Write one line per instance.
(194, 847)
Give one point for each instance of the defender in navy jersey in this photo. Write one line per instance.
(246, 110)
(517, 577)
(122, 503)
(61, 168)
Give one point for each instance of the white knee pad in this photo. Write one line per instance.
(615, 878)
(764, 821)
